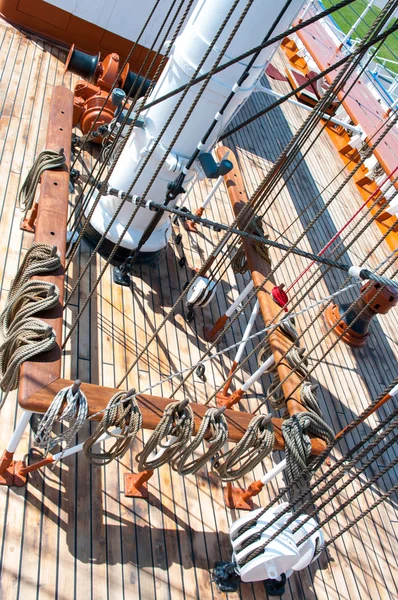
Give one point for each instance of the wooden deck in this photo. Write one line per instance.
(71, 533)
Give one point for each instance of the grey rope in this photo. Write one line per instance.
(256, 444)
(123, 413)
(33, 297)
(75, 413)
(47, 159)
(214, 422)
(239, 259)
(177, 421)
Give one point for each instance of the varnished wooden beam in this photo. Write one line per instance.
(260, 269)
(152, 408)
(51, 229)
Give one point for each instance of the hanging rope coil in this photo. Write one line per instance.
(176, 425)
(29, 338)
(75, 413)
(213, 422)
(239, 260)
(38, 260)
(123, 414)
(33, 297)
(296, 431)
(256, 444)
(47, 159)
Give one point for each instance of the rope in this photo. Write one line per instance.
(33, 297)
(256, 444)
(29, 338)
(123, 413)
(214, 423)
(75, 413)
(177, 422)
(47, 159)
(239, 260)
(296, 431)
(38, 260)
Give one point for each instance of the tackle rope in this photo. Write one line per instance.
(256, 444)
(122, 413)
(47, 159)
(38, 260)
(213, 422)
(75, 413)
(176, 424)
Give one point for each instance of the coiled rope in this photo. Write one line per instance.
(47, 159)
(296, 431)
(256, 444)
(38, 260)
(33, 297)
(176, 424)
(75, 413)
(122, 413)
(213, 422)
(29, 338)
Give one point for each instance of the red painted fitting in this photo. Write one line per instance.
(229, 401)
(229, 381)
(200, 211)
(233, 498)
(135, 484)
(22, 471)
(211, 334)
(6, 460)
(279, 296)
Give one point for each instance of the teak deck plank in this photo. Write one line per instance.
(71, 533)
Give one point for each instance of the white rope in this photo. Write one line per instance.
(75, 413)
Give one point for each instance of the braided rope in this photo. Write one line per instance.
(38, 260)
(29, 338)
(47, 159)
(296, 431)
(31, 298)
(75, 413)
(177, 422)
(239, 263)
(122, 412)
(256, 444)
(214, 422)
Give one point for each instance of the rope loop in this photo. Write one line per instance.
(213, 423)
(70, 405)
(47, 159)
(256, 444)
(239, 261)
(123, 415)
(172, 433)
(38, 260)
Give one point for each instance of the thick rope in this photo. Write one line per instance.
(122, 412)
(213, 422)
(38, 260)
(75, 413)
(47, 159)
(177, 425)
(33, 297)
(29, 338)
(296, 433)
(256, 444)
(239, 261)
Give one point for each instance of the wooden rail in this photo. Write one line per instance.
(51, 229)
(260, 269)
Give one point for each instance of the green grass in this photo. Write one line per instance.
(347, 16)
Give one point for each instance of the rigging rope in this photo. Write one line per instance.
(239, 260)
(176, 424)
(70, 405)
(47, 159)
(213, 423)
(256, 444)
(123, 415)
(38, 260)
